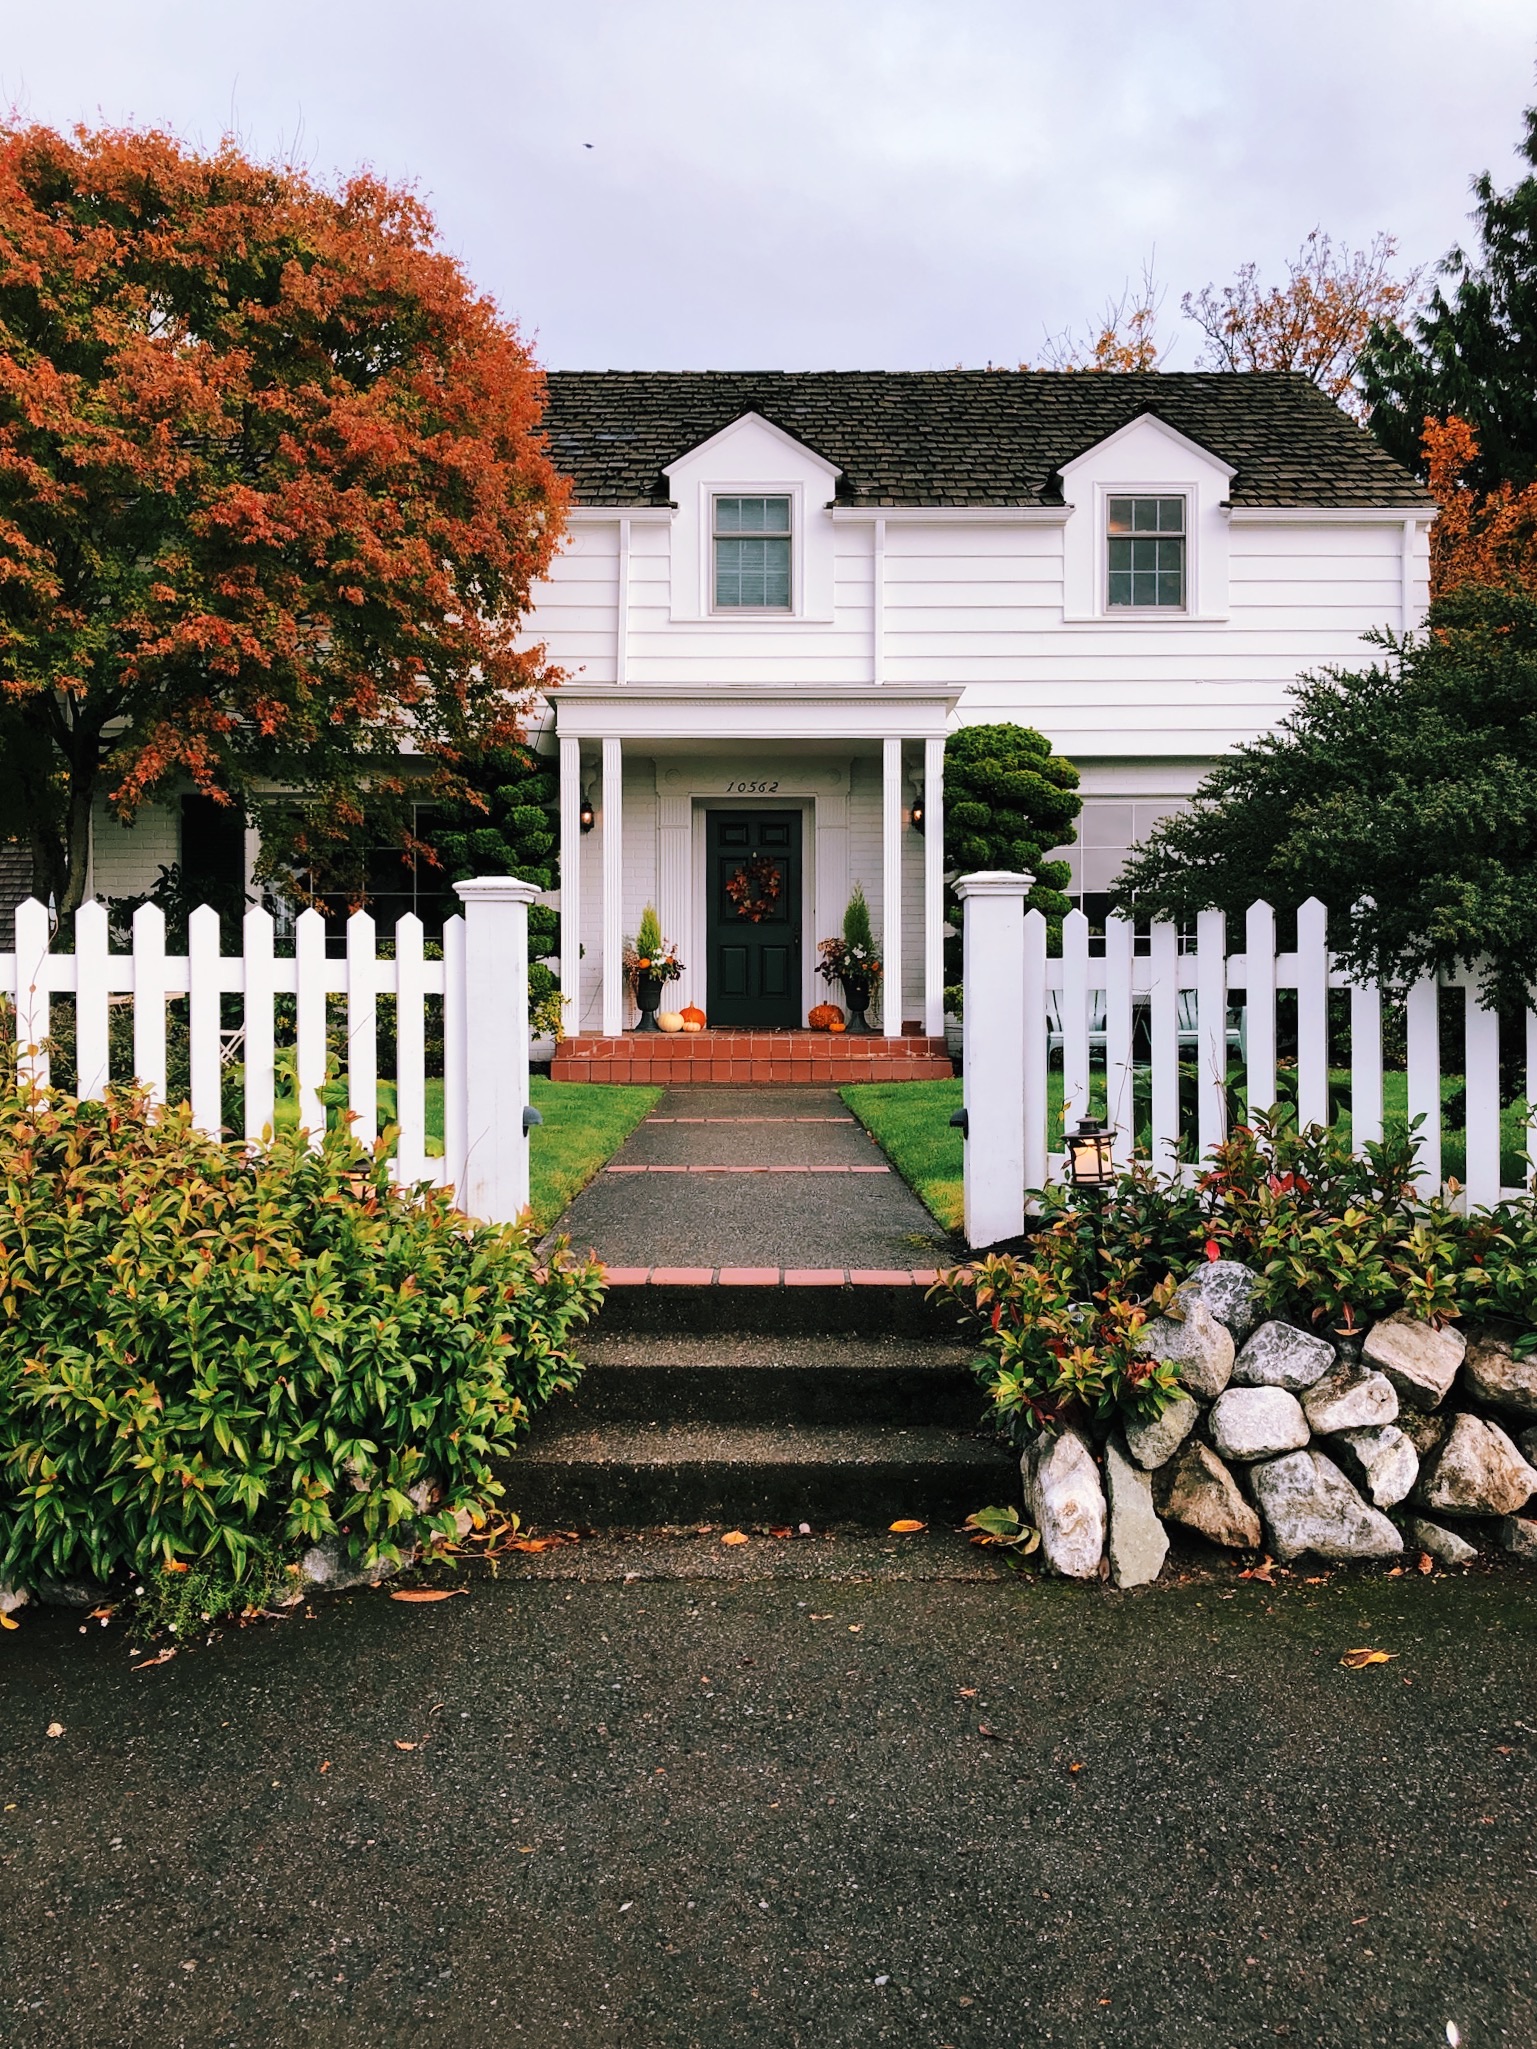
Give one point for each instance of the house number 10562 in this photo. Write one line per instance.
(751, 789)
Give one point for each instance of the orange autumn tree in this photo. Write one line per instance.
(1480, 537)
(272, 497)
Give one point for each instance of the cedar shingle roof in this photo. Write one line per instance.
(966, 437)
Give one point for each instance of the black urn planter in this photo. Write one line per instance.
(648, 1000)
(856, 994)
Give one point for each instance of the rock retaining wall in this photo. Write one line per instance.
(1422, 1438)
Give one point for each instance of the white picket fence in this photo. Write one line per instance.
(1022, 1004)
(482, 980)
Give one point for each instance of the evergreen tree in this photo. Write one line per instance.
(1007, 799)
(1403, 795)
(1472, 351)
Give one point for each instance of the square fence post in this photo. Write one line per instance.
(993, 1087)
(494, 1182)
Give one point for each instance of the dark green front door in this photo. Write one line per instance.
(755, 918)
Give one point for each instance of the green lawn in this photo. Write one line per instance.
(910, 1121)
(585, 1123)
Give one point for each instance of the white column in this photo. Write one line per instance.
(494, 1184)
(993, 1088)
(571, 879)
(674, 835)
(613, 886)
(891, 885)
(934, 886)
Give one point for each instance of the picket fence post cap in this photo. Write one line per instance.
(994, 882)
(496, 889)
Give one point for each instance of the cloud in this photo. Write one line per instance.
(829, 183)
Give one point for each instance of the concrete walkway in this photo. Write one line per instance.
(754, 1179)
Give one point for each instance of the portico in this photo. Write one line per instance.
(833, 774)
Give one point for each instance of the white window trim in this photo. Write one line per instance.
(1187, 496)
(716, 491)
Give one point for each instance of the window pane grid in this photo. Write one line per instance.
(752, 554)
(1146, 559)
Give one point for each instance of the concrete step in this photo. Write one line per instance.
(627, 1475)
(749, 1377)
(867, 1308)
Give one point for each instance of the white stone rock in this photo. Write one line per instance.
(328, 1567)
(1350, 1397)
(1477, 1471)
(1421, 1362)
(1499, 1381)
(12, 1598)
(1139, 1543)
(1198, 1347)
(1444, 1545)
(1381, 1461)
(1155, 1443)
(1195, 1488)
(1228, 1289)
(1518, 1535)
(1280, 1355)
(1256, 1422)
(1309, 1505)
(1065, 1501)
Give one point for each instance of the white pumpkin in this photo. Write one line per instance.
(669, 1020)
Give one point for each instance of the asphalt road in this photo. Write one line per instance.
(782, 1812)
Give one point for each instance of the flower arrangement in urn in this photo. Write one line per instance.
(651, 963)
(853, 959)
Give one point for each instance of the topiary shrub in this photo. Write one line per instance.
(206, 1352)
(1007, 799)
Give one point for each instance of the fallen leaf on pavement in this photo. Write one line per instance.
(784, 1530)
(160, 1658)
(907, 1524)
(968, 1693)
(325, 1764)
(9, 1622)
(1427, 1563)
(404, 1746)
(991, 1734)
(1260, 1572)
(735, 1537)
(56, 1728)
(1356, 1660)
(427, 1593)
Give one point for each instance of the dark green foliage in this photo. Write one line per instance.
(1473, 350)
(1407, 790)
(513, 831)
(206, 1354)
(858, 939)
(1007, 799)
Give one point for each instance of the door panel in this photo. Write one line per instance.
(754, 882)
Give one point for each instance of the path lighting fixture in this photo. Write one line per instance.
(1089, 1163)
(587, 818)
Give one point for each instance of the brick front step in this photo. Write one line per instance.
(681, 1059)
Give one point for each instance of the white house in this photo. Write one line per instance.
(781, 590)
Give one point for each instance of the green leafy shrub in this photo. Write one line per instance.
(1337, 1241)
(207, 1352)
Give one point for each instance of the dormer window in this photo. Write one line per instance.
(751, 545)
(1146, 554)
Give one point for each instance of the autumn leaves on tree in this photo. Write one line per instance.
(272, 498)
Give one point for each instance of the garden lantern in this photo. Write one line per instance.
(587, 818)
(1089, 1162)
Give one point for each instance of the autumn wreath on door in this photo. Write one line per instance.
(755, 888)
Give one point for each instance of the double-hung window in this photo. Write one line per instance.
(1145, 554)
(751, 544)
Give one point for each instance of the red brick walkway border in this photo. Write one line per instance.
(769, 1277)
(682, 1059)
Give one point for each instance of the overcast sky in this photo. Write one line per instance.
(813, 184)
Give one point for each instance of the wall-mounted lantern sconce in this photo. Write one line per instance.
(587, 817)
(1089, 1160)
(916, 811)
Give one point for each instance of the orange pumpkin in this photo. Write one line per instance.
(837, 1025)
(693, 1018)
(825, 1017)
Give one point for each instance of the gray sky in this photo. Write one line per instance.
(810, 184)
